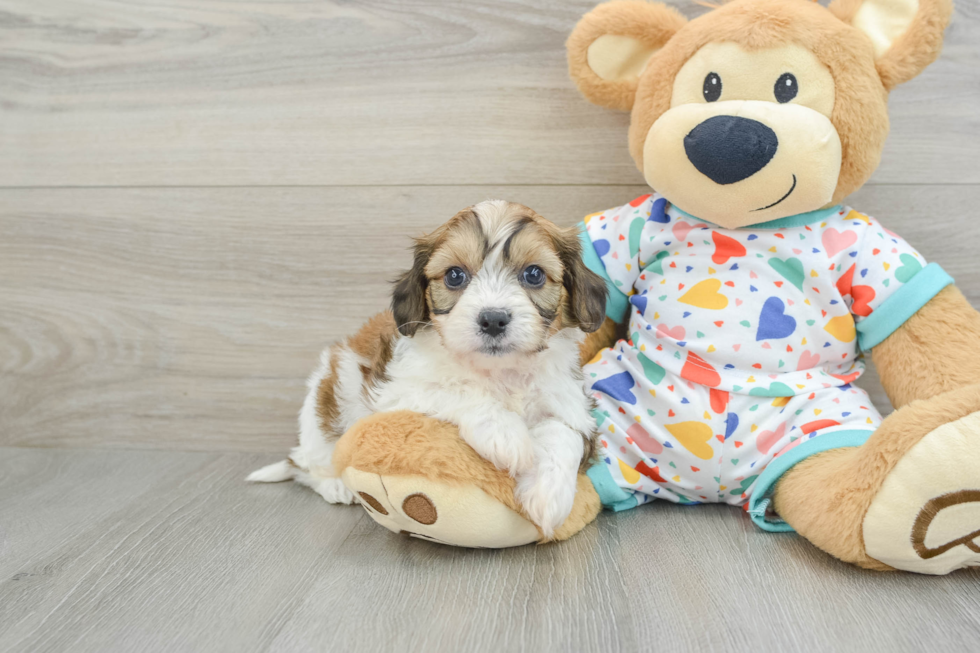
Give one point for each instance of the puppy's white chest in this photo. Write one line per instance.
(513, 389)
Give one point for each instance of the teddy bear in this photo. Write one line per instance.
(743, 297)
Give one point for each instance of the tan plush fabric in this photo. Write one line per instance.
(596, 341)
(862, 81)
(406, 444)
(860, 112)
(934, 352)
(650, 24)
(826, 497)
(926, 515)
(916, 48)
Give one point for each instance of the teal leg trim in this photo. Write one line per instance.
(612, 496)
(761, 497)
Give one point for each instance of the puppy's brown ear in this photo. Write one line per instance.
(408, 302)
(586, 290)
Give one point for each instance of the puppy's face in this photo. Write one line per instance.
(498, 280)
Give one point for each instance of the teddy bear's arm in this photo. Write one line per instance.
(595, 342)
(937, 350)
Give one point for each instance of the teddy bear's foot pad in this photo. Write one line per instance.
(458, 515)
(926, 516)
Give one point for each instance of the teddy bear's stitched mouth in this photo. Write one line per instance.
(788, 193)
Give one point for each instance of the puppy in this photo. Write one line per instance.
(483, 332)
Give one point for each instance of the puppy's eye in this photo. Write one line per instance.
(712, 87)
(456, 278)
(786, 88)
(533, 276)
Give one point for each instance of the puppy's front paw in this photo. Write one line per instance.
(547, 497)
(504, 440)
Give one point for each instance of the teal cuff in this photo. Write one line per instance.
(611, 495)
(761, 497)
(898, 308)
(617, 303)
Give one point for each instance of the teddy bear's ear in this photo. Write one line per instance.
(907, 35)
(611, 45)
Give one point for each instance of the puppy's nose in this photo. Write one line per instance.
(493, 322)
(726, 149)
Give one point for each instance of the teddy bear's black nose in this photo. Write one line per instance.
(727, 149)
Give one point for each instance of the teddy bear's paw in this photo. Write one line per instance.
(926, 516)
(547, 496)
(461, 515)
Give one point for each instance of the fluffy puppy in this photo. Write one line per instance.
(483, 332)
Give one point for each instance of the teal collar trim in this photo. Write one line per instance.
(797, 220)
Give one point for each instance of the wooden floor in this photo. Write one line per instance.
(196, 197)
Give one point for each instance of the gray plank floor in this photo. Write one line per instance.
(125, 550)
(197, 197)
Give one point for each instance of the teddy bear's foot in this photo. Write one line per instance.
(926, 516)
(415, 475)
(908, 498)
(439, 512)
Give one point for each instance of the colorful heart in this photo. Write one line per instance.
(842, 328)
(808, 361)
(658, 264)
(767, 439)
(654, 373)
(618, 387)
(791, 269)
(640, 301)
(644, 440)
(694, 437)
(863, 296)
(909, 269)
(698, 370)
(676, 333)
(774, 324)
(657, 213)
(636, 230)
(731, 423)
(776, 389)
(725, 248)
(835, 241)
(705, 295)
(601, 247)
(718, 399)
(653, 473)
(746, 483)
(681, 229)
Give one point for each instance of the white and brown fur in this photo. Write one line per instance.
(518, 398)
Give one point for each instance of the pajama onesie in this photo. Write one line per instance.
(744, 345)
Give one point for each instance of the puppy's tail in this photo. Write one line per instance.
(283, 470)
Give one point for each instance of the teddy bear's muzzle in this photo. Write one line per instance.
(727, 149)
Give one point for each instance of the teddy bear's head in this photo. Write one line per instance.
(759, 109)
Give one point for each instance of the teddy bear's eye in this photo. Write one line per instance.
(712, 87)
(786, 88)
